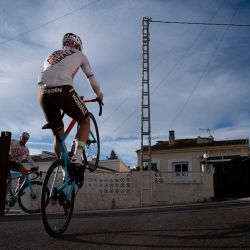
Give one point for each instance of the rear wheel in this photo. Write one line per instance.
(56, 205)
(29, 197)
(91, 152)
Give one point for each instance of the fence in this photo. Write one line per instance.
(142, 188)
(137, 189)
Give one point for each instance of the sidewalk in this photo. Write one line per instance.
(17, 211)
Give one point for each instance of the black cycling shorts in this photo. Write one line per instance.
(15, 166)
(53, 100)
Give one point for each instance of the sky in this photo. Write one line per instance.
(199, 74)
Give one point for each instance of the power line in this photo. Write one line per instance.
(202, 75)
(49, 22)
(201, 23)
(181, 58)
(163, 80)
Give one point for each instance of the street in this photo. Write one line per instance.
(218, 225)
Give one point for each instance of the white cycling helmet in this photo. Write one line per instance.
(25, 135)
(72, 37)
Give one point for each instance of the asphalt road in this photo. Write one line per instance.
(222, 225)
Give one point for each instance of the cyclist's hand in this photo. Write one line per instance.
(99, 98)
(23, 170)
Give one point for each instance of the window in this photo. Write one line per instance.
(155, 165)
(180, 168)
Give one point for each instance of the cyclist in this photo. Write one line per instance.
(57, 92)
(18, 153)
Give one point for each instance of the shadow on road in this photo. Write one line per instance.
(192, 238)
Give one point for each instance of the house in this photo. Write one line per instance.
(115, 165)
(45, 159)
(188, 167)
(185, 155)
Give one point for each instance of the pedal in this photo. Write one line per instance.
(91, 167)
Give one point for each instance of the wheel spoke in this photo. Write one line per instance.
(92, 149)
(29, 197)
(58, 202)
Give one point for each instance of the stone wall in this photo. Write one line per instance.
(136, 189)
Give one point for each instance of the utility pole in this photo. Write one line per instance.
(145, 99)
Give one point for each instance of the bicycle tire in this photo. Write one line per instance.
(93, 145)
(56, 213)
(30, 202)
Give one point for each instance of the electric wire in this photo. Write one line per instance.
(126, 98)
(207, 24)
(49, 22)
(203, 74)
(131, 114)
(153, 21)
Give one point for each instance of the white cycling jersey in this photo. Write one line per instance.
(19, 153)
(61, 66)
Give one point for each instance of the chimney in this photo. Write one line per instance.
(171, 137)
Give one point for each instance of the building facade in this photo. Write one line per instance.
(185, 168)
(184, 172)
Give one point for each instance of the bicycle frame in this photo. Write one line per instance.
(66, 160)
(17, 175)
(12, 200)
(62, 178)
(65, 157)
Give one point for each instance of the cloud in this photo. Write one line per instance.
(198, 74)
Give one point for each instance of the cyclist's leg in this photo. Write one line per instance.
(76, 109)
(50, 102)
(81, 137)
(24, 171)
(56, 142)
(15, 166)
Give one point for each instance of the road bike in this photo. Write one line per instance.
(28, 194)
(63, 181)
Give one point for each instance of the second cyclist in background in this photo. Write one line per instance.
(57, 92)
(18, 153)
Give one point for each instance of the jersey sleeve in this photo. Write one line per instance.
(94, 84)
(29, 159)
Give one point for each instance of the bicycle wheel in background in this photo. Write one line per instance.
(56, 208)
(29, 197)
(91, 152)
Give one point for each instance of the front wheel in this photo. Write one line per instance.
(91, 152)
(29, 197)
(57, 205)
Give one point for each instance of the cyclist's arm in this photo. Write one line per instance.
(30, 161)
(90, 75)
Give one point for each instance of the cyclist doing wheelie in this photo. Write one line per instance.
(57, 92)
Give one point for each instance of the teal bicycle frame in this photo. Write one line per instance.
(27, 180)
(65, 157)
(27, 189)
(67, 161)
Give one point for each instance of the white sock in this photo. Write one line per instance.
(79, 146)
